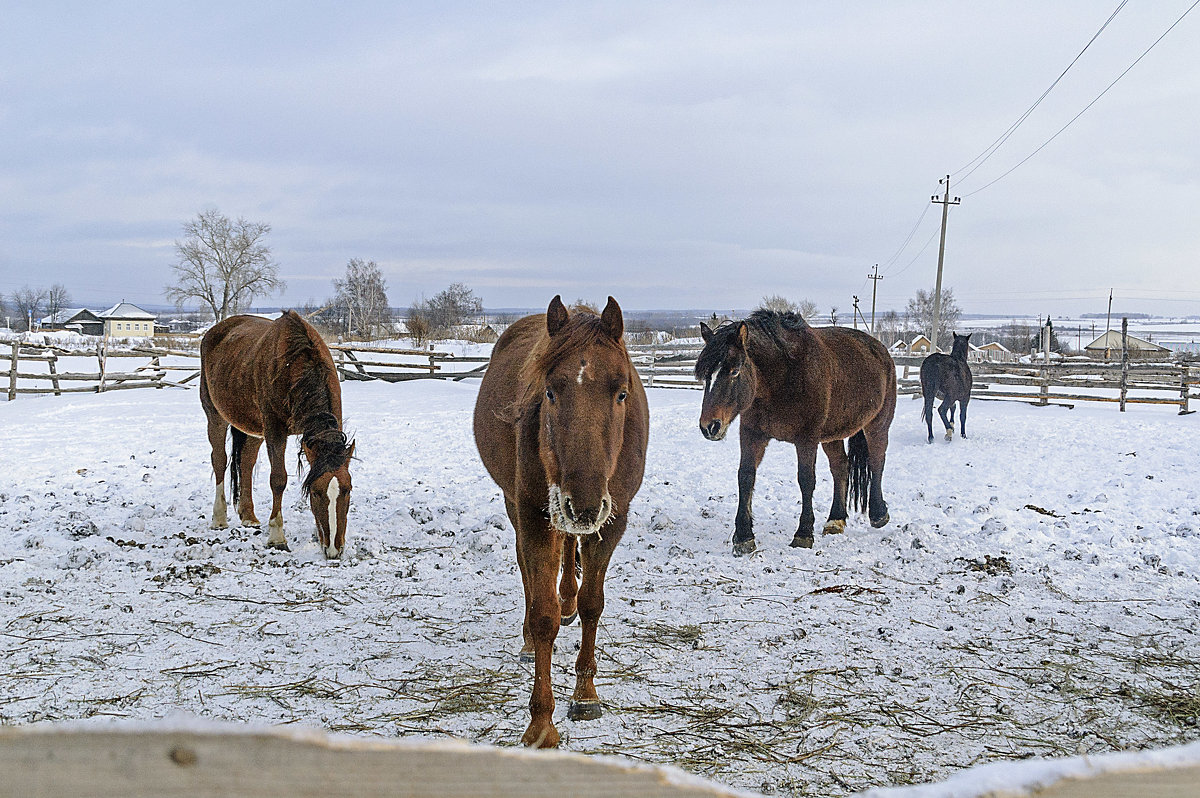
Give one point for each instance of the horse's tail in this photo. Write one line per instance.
(929, 389)
(235, 461)
(860, 473)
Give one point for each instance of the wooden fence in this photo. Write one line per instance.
(1068, 382)
(225, 760)
(358, 362)
(152, 374)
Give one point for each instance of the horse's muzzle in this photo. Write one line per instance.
(567, 517)
(715, 430)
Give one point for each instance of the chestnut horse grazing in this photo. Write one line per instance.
(561, 424)
(808, 386)
(266, 380)
(947, 377)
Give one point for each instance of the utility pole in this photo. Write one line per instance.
(945, 202)
(874, 278)
(855, 311)
(1108, 324)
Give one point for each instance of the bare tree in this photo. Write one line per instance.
(4, 309)
(362, 298)
(920, 313)
(833, 315)
(455, 305)
(58, 299)
(888, 327)
(778, 304)
(28, 304)
(418, 326)
(223, 264)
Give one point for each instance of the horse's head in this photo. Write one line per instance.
(327, 485)
(729, 377)
(960, 346)
(584, 377)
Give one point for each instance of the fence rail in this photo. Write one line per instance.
(152, 374)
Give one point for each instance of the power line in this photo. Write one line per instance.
(982, 158)
(1089, 105)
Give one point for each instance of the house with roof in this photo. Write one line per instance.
(126, 320)
(80, 320)
(1139, 348)
(920, 345)
(992, 350)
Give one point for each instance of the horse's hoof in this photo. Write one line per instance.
(584, 710)
(742, 548)
(802, 541)
(835, 526)
(542, 738)
(949, 434)
(567, 620)
(930, 439)
(880, 521)
(281, 545)
(219, 525)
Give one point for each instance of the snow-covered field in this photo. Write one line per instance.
(1036, 592)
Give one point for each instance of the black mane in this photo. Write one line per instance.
(769, 323)
(312, 406)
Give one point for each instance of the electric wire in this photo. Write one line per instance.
(1089, 105)
(982, 158)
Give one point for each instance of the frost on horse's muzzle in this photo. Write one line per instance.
(566, 520)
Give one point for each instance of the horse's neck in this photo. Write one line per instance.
(770, 361)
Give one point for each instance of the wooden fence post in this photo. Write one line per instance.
(12, 372)
(154, 361)
(1183, 388)
(1124, 360)
(1045, 398)
(54, 373)
(102, 357)
(653, 365)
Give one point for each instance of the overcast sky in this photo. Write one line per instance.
(674, 155)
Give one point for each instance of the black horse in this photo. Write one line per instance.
(947, 377)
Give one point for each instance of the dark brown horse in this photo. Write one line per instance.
(266, 380)
(808, 386)
(947, 377)
(561, 424)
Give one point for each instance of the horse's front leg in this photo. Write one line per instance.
(568, 586)
(806, 475)
(754, 446)
(596, 553)
(541, 557)
(217, 429)
(839, 467)
(246, 494)
(276, 439)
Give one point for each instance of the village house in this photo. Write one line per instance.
(79, 320)
(126, 320)
(1139, 348)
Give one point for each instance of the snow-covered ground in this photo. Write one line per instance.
(1036, 592)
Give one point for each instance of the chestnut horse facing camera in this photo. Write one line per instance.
(807, 386)
(561, 424)
(265, 380)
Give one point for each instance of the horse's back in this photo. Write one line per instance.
(861, 369)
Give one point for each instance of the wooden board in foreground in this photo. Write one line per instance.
(39, 762)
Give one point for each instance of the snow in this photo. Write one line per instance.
(1034, 595)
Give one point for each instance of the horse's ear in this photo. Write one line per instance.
(613, 321)
(556, 315)
(705, 333)
(742, 334)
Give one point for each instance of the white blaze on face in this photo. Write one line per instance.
(332, 492)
